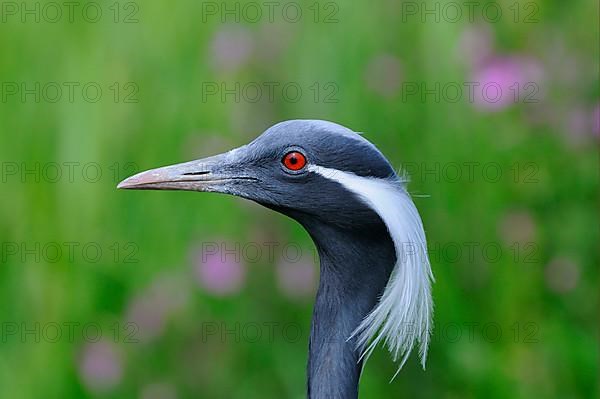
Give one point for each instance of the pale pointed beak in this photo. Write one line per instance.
(208, 174)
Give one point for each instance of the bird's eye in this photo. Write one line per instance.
(294, 160)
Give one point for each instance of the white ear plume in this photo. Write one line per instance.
(402, 318)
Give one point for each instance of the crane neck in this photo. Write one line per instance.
(355, 267)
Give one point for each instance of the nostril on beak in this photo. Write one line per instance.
(196, 173)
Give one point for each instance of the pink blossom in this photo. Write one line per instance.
(504, 81)
(476, 45)
(296, 279)
(581, 123)
(274, 40)
(517, 226)
(384, 75)
(148, 316)
(231, 48)
(100, 367)
(596, 120)
(562, 275)
(150, 309)
(218, 269)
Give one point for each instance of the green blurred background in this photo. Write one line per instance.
(108, 294)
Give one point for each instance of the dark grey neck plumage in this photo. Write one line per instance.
(355, 268)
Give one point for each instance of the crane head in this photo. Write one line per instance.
(321, 173)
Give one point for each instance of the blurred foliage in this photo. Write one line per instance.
(541, 292)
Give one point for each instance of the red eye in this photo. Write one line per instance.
(294, 160)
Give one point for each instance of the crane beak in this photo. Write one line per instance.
(213, 174)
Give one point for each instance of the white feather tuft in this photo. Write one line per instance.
(403, 316)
